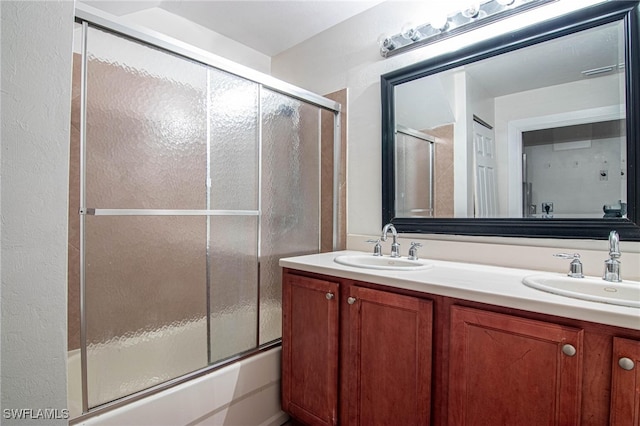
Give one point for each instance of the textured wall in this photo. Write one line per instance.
(36, 92)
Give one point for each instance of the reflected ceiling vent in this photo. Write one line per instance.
(602, 70)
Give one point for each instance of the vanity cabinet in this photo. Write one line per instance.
(385, 344)
(359, 353)
(389, 358)
(505, 370)
(310, 318)
(625, 382)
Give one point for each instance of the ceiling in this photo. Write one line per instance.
(273, 26)
(268, 26)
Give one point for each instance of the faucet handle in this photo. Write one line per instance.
(413, 250)
(575, 267)
(377, 249)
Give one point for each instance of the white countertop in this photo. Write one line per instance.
(480, 283)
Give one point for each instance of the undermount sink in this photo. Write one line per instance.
(626, 293)
(381, 262)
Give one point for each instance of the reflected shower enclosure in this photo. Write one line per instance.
(414, 181)
(190, 183)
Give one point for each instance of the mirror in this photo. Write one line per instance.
(527, 135)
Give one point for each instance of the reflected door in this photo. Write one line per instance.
(484, 161)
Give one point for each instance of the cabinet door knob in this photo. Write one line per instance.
(351, 300)
(329, 296)
(569, 350)
(626, 363)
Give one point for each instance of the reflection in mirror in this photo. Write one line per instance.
(414, 173)
(559, 164)
(537, 132)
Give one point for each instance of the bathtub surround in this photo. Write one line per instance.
(326, 178)
(443, 176)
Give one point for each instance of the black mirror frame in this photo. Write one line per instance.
(628, 228)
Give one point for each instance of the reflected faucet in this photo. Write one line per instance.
(612, 265)
(395, 247)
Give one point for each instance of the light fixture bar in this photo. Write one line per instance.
(477, 14)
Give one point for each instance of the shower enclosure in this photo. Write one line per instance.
(193, 179)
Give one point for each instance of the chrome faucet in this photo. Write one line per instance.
(575, 267)
(612, 265)
(395, 247)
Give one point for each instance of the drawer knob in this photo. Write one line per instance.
(626, 363)
(329, 296)
(569, 350)
(351, 300)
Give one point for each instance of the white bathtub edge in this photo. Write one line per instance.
(246, 393)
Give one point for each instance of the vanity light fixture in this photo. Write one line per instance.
(473, 15)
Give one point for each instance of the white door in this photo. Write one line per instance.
(484, 162)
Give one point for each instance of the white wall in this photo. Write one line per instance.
(425, 103)
(167, 23)
(347, 56)
(36, 91)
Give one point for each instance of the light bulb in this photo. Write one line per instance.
(410, 32)
(439, 22)
(471, 11)
(386, 43)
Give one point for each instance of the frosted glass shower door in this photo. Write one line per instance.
(193, 183)
(290, 223)
(233, 192)
(144, 271)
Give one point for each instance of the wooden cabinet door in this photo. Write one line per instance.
(390, 344)
(506, 370)
(625, 383)
(310, 349)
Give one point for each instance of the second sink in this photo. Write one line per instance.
(626, 293)
(381, 262)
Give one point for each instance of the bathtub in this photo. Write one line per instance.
(244, 393)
